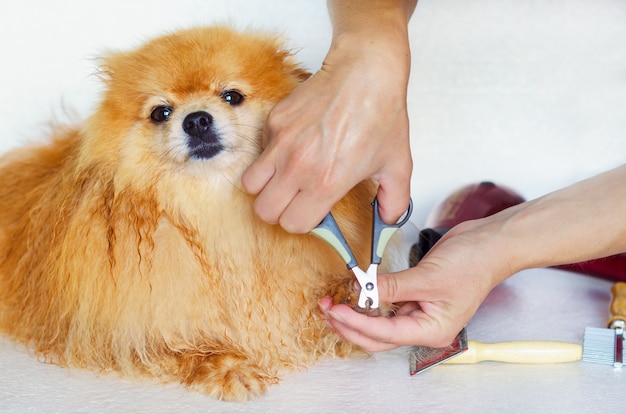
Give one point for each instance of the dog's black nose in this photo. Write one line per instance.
(202, 140)
(198, 124)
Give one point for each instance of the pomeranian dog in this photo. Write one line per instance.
(128, 245)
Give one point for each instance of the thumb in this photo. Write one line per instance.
(403, 286)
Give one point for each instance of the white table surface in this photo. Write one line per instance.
(535, 304)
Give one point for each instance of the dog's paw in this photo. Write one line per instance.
(348, 293)
(230, 377)
(384, 309)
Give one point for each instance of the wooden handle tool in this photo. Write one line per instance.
(618, 304)
(618, 320)
(519, 352)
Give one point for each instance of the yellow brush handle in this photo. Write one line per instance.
(520, 352)
(618, 303)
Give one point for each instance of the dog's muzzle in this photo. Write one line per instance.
(202, 141)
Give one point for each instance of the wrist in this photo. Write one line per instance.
(379, 25)
(521, 237)
(387, 57)
(563, 227)
(371, 16)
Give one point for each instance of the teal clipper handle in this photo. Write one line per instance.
(382, 232)
(329, 231)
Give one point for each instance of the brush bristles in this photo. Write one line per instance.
(599, 345)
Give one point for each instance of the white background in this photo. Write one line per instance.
(527, 93)
(530, 94)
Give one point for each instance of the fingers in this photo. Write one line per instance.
(294, 185)
(305, 211)
(394, 188)
(393, 200)
(298, 207)
(283, 199)
(274, 193)
(377, 334)
(425, 315)
(349, 332)
(258, 174)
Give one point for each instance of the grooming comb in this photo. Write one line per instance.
(422, 358)
(606, 345)
(462, 351)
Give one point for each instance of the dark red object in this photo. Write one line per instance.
(610, 268)
(472, 202)
(484, 199)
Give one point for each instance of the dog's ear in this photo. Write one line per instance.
(100, 69)
(104, 70)
(109, 63)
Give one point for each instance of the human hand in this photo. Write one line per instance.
(436, 298)
(346, 123)
(440, 295)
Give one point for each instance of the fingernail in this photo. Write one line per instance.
(336, 316)
(330, 314)
(324, 309)
(325, 315)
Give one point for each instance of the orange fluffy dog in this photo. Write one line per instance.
(128, 245)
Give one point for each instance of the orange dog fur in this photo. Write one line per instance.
(127, 243)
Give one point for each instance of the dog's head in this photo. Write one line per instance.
(193, 102)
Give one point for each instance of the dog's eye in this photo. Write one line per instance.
(160, 114)
(232, 97)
